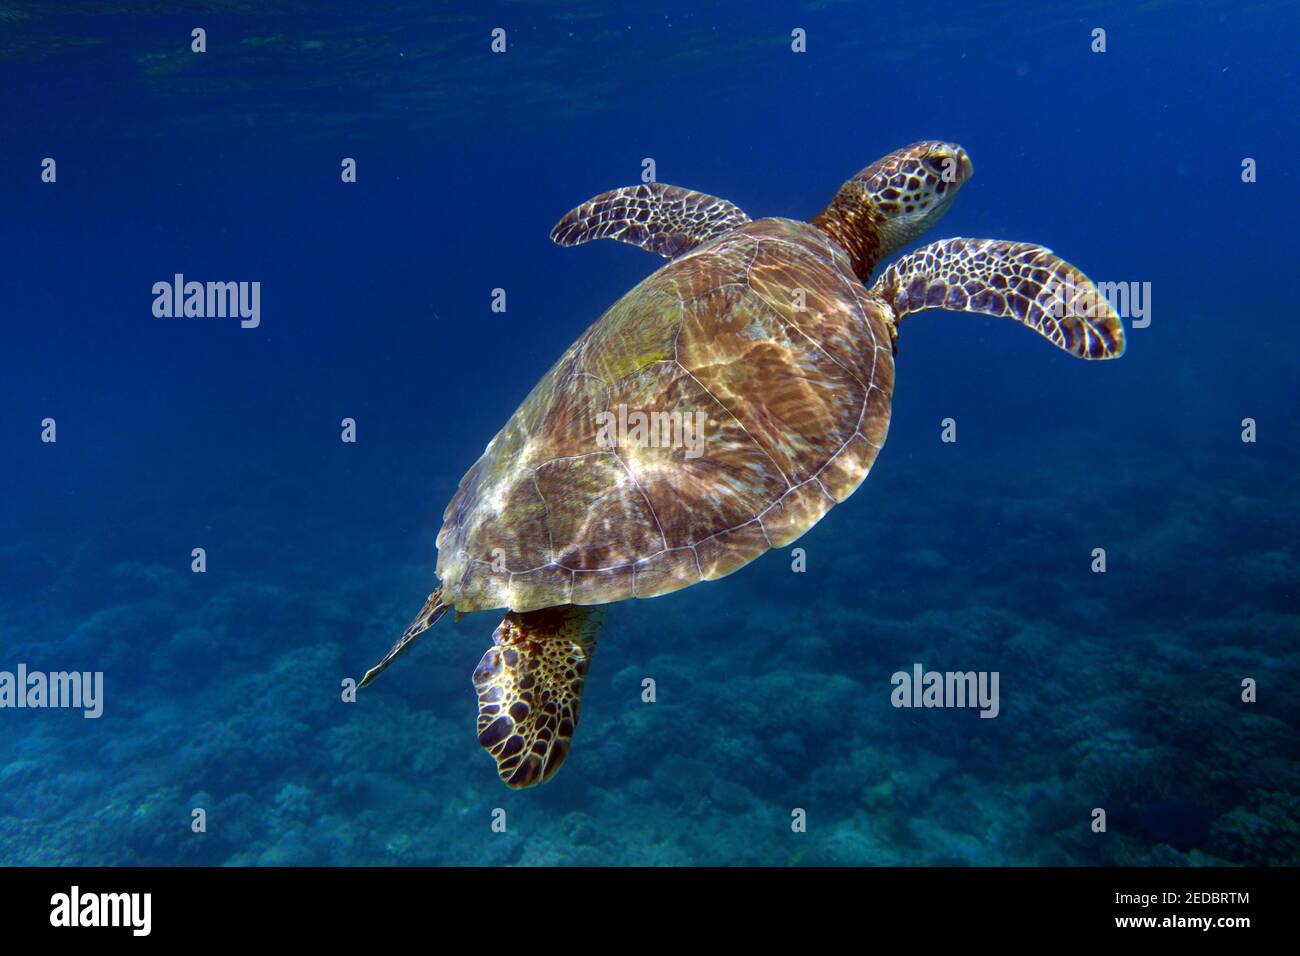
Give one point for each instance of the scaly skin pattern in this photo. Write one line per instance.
(766, 332)
(893, 201)
(668, 220)
(529, 686)
(1015, 280)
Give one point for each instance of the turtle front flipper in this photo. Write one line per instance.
(529, 687)
(665, 219)
(433, 609)
(1017, 280)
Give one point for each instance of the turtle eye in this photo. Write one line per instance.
(941, 159)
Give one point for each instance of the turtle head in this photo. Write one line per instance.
(894, 200)
(913, 187)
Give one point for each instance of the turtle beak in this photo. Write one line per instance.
(967, 167)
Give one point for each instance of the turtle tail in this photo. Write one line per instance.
(433, 609)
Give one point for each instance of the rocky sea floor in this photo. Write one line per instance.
(1119, 691)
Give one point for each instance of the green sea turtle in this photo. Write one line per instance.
(717, 410)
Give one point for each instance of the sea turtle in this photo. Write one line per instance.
(717, 410)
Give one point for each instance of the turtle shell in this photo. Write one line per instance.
(762, 372)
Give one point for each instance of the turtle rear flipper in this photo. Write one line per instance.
(433, 609)
(1017, 280)
(665, 219)
(529, 687)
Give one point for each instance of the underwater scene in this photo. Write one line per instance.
(276, 274)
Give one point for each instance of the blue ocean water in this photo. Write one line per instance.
(1120, 691)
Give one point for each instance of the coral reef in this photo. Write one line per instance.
(772, 696)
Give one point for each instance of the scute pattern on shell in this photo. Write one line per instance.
(766, 332)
